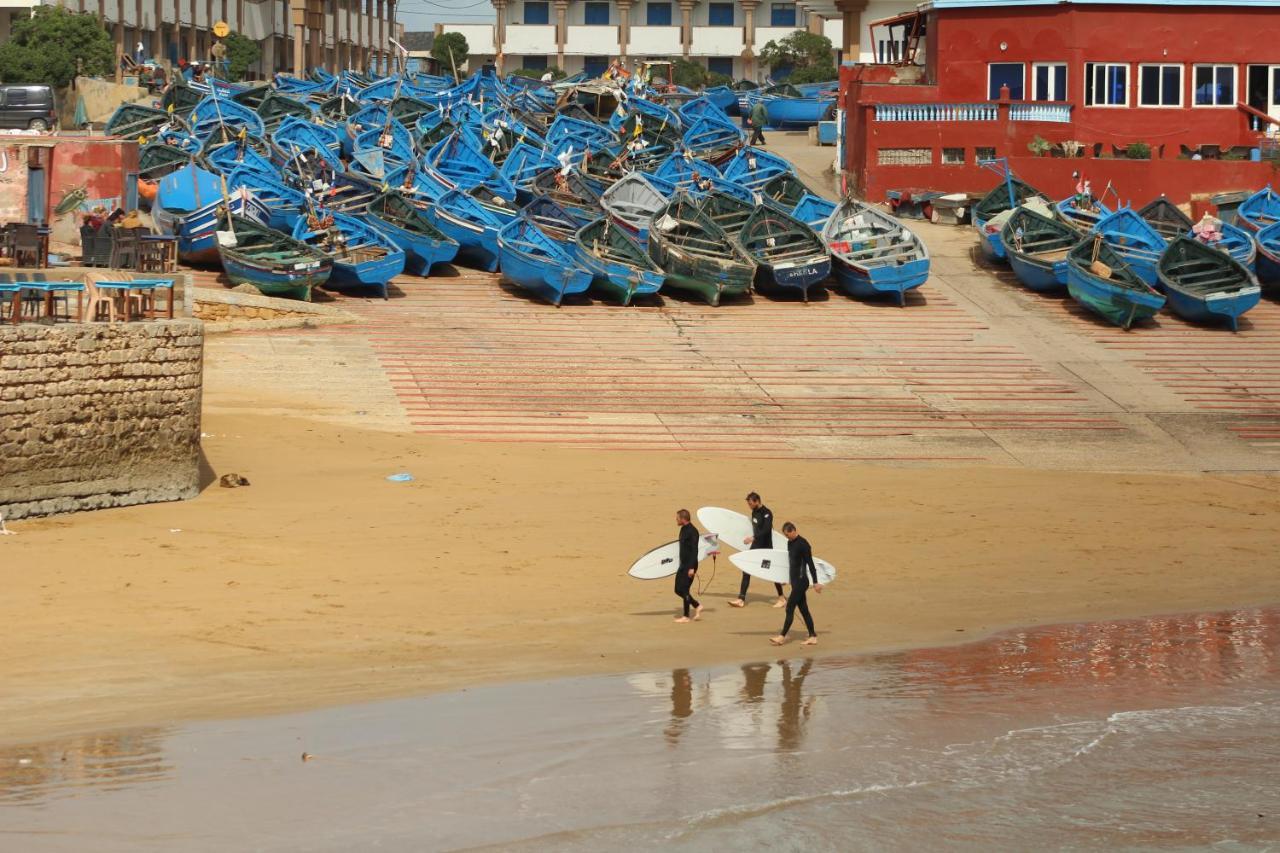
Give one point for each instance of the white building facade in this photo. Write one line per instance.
(294, 35)
(725, 37)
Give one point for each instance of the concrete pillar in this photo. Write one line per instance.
(121, 48)
(157, 34)
(393, 55)
(298, 22)
(749, 38)
(686, 27)
(624, 29)
(380, 44)
(852, 11)
(191, 33)
(562, 30)
(500, 33)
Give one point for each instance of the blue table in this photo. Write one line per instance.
(145, 285)
(49, 289)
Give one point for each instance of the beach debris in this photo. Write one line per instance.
(402, 477)
(306, 756)
(24, 760)
(175, 529)
(231, 481)
(207, 435)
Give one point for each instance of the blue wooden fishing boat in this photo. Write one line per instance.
(1100, 280)
(1259, 210)
(362, 255)
(294, 134)
(474, 225)
(700, 107)
(581, 134)
(457, 161)
(874, 254)
(1135, 241)
(423, 243)
(297, 86)
(285, 205)
(696, 255)
(683, 170)
(1164, 216)
(524, 162)
(1008, 194)
(754, 168)
(1269, 255)
(392, 139)
(715, 141)
(1205, 285)
(538, 263)
(187, 206)
(275, 263)
(229, 156)
(789, 193)
(652, 113)
(1083, 220)
(797, 112)
(571, 191)
(1036, 247)
(722, 96)
(213, 114)
(814, 211)
(618, 264)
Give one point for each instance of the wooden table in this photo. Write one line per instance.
(148, 286)
(49, 289)
(157, 253)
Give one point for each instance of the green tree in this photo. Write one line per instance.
(717, 79)
(814, 74)
(451, 51)
(689, 74)
(536, 73)
(241, 53)
(802, 49)
(45, 48)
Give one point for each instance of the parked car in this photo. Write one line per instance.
(27, 108)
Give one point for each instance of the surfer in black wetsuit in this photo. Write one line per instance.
(761, 537)
(802, 567)
(688, 566)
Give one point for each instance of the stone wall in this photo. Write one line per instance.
(98, 415)
(243, 308)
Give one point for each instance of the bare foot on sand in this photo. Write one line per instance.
(697, 613)
(812, 641)
(682, 618)
(777, 641)
(737, 602)
(781, 602)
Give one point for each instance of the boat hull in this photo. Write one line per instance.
(546, 281)
(1038, 275)
(1268, 267)
(196, 231)
(1119, 305)
(1214, 308)
(879, 281)
(477, 244)
(367, 273)
(990, 244)
(294, 284)
(421, 252)
(796, 276)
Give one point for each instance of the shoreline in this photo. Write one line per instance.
(323, 584)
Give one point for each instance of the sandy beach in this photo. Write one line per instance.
(323, 583)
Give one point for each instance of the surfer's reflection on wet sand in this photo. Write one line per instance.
(743, 714)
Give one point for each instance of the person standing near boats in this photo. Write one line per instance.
(802, 568)
(688, 566)
(759, 118)
(761, 537)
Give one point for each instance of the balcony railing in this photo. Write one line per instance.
(1060, 113)
(524, 39)
(937, 112)
(656, 41)
(591, 40)
(718, 41)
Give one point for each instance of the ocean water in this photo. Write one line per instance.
(1153, 734)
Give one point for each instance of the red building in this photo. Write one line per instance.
(1173, 97)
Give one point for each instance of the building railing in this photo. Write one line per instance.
(1060, 113)
(937, 112)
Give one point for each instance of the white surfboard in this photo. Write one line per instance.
(732, 527)
(774, 564)
(663, 561)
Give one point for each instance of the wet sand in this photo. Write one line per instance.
(1142, 734)
(322, 583)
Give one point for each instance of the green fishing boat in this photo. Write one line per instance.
(275, 263)
(252, 97)
(696, 254)
(620, 268)
(276, 107)
(787, 252)
(180, 97)
(1100, 280)
(134, 121)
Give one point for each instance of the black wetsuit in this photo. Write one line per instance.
(801, 559)
(761, 537)
(688, 560)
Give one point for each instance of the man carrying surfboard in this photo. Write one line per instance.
(688, 566)
(801, 558)
(761, 537)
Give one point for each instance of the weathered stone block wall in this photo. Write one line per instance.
(98, 415)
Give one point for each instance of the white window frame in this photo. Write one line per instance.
(1066, 80)
(1182, 86)
(1091, 95)
(1009, 62)
(1235, 85)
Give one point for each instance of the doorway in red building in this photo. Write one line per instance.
(1264, 89)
